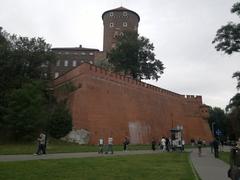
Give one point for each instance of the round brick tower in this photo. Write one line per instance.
(115, 22)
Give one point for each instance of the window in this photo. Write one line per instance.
(124, 24)
(56, 74)
(58, 63)
(124, 13)
(91, 53)
(83, 53)
(74, 63)
(135, 28)
(66, 63)
(111, 14)
(121, 34)
(111, 25)
(66, 53)
(115, 34)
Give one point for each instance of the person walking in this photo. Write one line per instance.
(216, 148)
(199, 144)
(100, 146)
(163, 143)
(125, 144)
(41, 144)
(153, 144)
(167, 144)
(110, 145)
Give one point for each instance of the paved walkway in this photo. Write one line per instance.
(208, 167)
(70, 155)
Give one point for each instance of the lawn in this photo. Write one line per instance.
(57, 146)
(224, 156)
(165, 166)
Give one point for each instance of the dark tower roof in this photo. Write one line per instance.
(121, 9)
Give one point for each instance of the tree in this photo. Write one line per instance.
(23, 96)
(233, 114)
(60, 123)
(26, 111)
(227, 38)
(218, 120)
(133, 55)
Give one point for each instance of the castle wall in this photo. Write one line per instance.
(107, 104)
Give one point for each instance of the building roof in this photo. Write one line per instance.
(121, 9)
(74, 49)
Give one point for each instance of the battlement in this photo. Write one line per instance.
(101, 73)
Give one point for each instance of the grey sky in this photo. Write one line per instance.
(181, 30)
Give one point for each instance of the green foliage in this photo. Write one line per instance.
(60, 122)
(21, 59)
(228, 36)
(233, 110)
(67, 88)
(104, 64)
(26, 111)
(228, 41)
(133, 55)
(23, 96)
(237, 76)
(219, 118)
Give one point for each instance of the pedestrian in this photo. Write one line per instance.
(125, 144)
(100, 146)
(153, 144)
(41, 144)
(183, 144)
(163, 143)
(192, 142)
(167, 144)
(199, 144)
(215, 147)
(110, 145)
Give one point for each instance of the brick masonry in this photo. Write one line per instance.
(108, 104)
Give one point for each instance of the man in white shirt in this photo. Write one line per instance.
(101, 144)
(110, 145)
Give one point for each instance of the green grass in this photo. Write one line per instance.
(165, 166)
(224, 156)
(57, 146)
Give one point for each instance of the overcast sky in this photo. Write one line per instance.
(181, 31)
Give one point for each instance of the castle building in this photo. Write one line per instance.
(103, 103)
(69, 58)
(115, 22)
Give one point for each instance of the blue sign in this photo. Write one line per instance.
(218, 132)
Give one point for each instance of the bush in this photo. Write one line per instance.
(60, 123)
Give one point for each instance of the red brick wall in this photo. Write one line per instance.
(107, 104)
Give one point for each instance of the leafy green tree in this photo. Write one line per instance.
(133, 55)
(26, 111)
(233, 114)
(227, 38)
(23, 95)
(60, 123)
(218, 120)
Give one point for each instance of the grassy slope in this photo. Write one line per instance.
(165, 166)
(224, 156)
